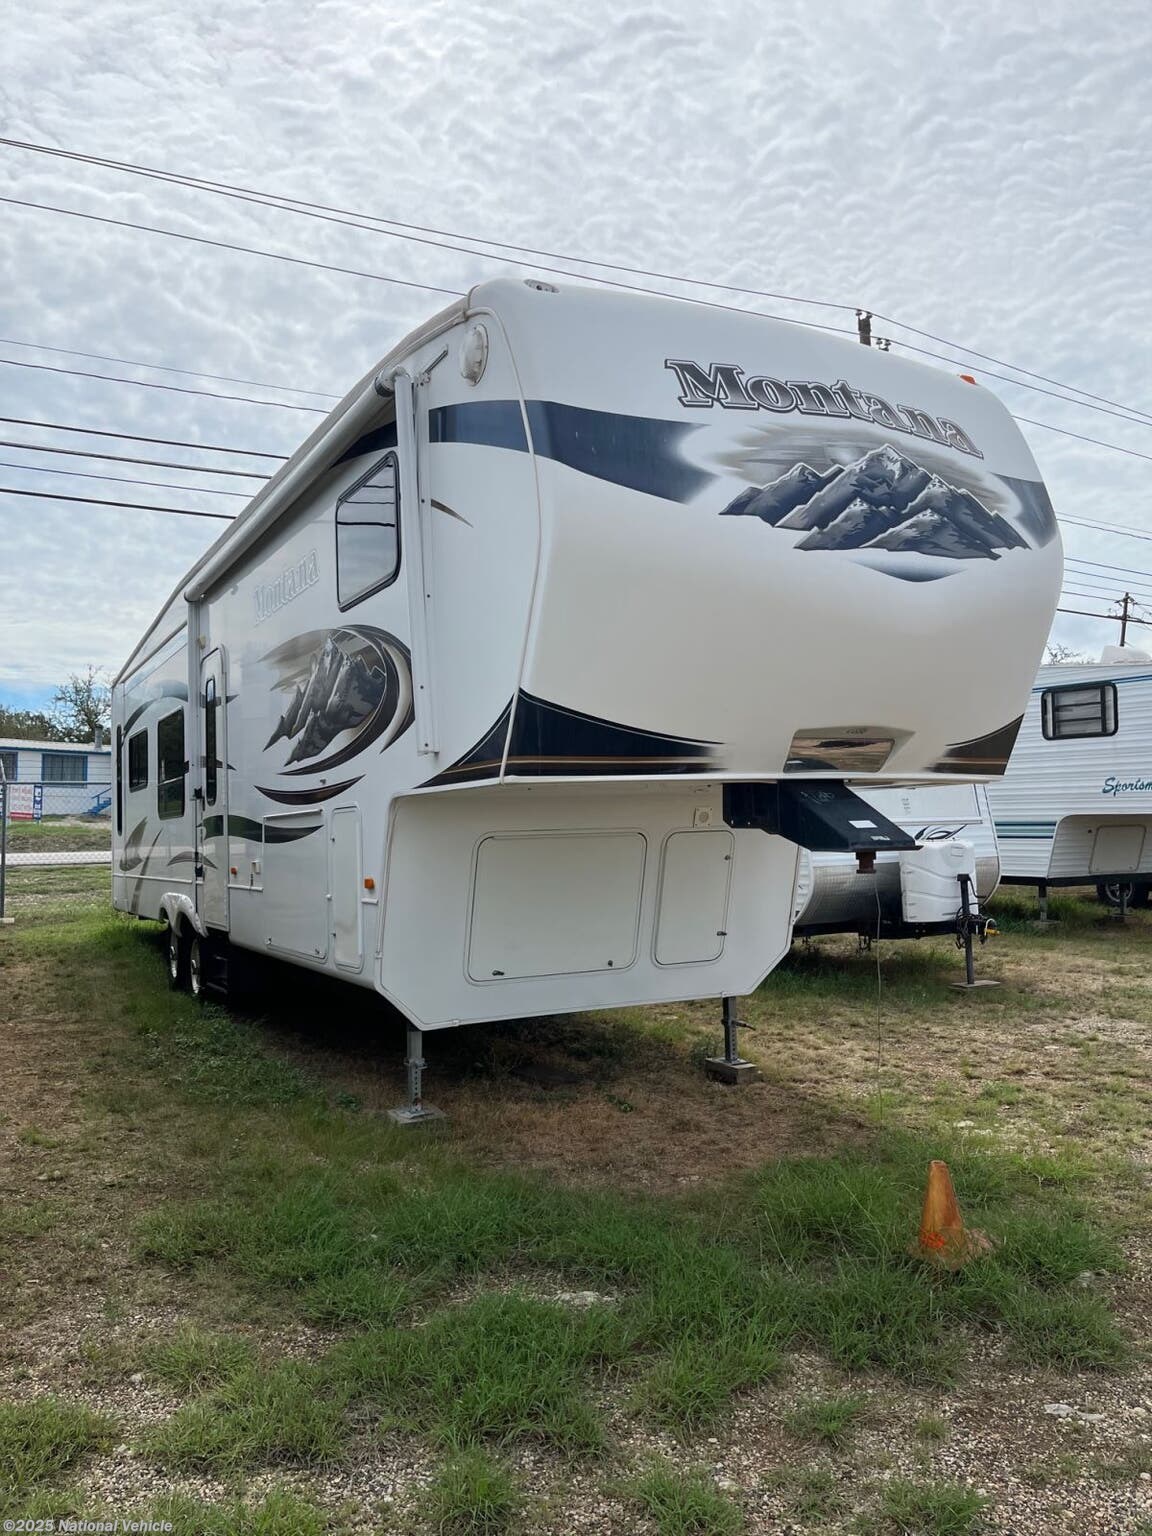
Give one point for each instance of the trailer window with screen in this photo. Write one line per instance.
(138, 760)
(1085, 709)
(368, 534)
(171, 766)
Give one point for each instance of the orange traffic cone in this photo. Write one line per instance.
(944, 1239)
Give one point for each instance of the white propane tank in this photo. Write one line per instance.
(929, 879)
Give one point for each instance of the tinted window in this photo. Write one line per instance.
(211, 763)
(368, 534)
(8, 762)
(64, 768)
(1085, 709)
(138, 760)
(170, 765)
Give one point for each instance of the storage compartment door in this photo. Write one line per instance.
(695, 874)
(1117, 850)
(555, 903)
(347, 888)
(295, 875)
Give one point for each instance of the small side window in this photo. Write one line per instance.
(170, 766)
(211, 762)
(1084, 709)
(138, 760)
(8, 761)
(368, 534)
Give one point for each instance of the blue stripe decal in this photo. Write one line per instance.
(1141, 677)
(491, 423)
(379, 440)
(640, 452)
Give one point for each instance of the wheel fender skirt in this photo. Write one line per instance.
(819, 814)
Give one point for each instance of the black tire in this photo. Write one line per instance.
(1109, 892)
(197, 960)
(175, 956)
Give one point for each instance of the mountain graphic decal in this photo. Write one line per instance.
(347, 687)
(881, 502)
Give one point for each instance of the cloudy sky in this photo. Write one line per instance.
(980, 171)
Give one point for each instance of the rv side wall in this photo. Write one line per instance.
(1080, 808)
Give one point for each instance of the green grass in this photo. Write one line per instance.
(810, 1494)
(32, 836)
(932, 1431)
(931, 1509)
(682, 1503)
(192, 1361)
(830, 1421)
(42, 1438)
(319, 1213)
(253, 1419)
(502, 1368)
(472, 1495)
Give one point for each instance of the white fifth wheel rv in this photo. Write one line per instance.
(1075, 806)
(832, 897)
(516, 689)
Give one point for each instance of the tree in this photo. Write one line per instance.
(83, 705)
(1064, 654)
(28, 725)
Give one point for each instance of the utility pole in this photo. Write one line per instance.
(1125, 605)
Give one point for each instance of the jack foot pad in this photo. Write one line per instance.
(734, 1072)
(414, 1114)
(971, 986)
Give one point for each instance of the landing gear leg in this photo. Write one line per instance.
(731, 1067)
(1042, 898)
(415, 1112)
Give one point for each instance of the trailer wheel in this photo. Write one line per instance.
(175, 958)
(197, 957)
(1110, 891)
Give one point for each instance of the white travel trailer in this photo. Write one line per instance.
(833, 897)
(1075, 806)
(516, 689)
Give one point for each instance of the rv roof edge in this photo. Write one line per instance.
(273, 498)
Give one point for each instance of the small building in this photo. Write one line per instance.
(56, 778)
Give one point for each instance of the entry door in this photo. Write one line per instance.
(212, 796)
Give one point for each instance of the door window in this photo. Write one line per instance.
(138, 760)
(211, 762)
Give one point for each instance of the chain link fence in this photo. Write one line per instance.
(55, 849)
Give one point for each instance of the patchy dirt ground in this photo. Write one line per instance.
(1058, 1058)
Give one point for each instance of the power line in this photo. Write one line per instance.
(129, 362)
(1126, 570)
(163, 485)
(347, 217)
(136, 437)
(1112, 618)
(1120, 529)
(1000, 363)
(1080, 436)
(227, 245)
(136, 506)
(414, 232)
(123, 458)
(379, 277)
(174, 389)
